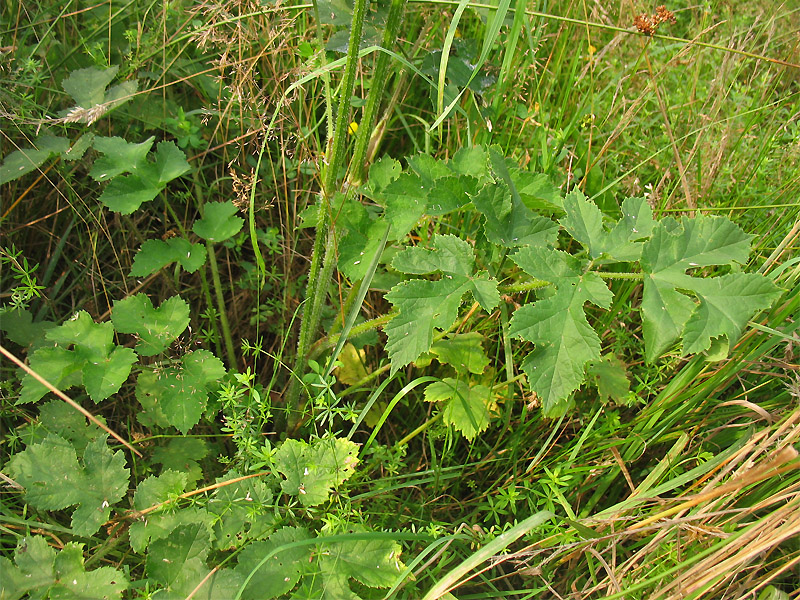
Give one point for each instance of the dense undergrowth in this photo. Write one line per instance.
(389, 300)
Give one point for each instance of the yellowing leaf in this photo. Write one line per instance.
(352, 369)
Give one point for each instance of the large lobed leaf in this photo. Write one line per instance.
(156, 328)
(86, 355)
(39, 571)
(724, 303)
(557, 325)
(177, 395)
(425, 305)
(54, 479)
(313, 470)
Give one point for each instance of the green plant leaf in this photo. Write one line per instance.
(53, 479)
(218, 222)
(425, 305)
(160, 523)
(119, 156)
(466, 408)
(179, 558)
(127, 193)
(178, 395)
(462, 351)
(56, 416)
(242, 511)
(59, 366)
(88, 86)
(41, 572)
(156, 329)
(157, 254)
(557, 325)
(611, 378)
(374, 563)
(509, 223)
(103, 366)
(584, 222)
(280, 573)
(23, 161)
(169, 163)
(21, 329)
(182, 454)
(312, 470)
(726, 303)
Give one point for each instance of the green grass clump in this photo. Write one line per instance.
(215, 255)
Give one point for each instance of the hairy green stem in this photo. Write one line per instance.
(324, 243)
(358, 165)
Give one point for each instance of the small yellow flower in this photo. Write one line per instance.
(352, 128)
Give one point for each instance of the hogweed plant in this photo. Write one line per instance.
(481, 254)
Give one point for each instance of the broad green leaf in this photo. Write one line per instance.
(312, 470)
(466, 408)
(88, 86)
(60, 418)
(160, 523)
(357, 249)
(90, 339)
(462, 351)
(243, 511)
(156, 329)
(119, 156)
(182, 454)
(105, 484)
(381, 173)
(611, 378)
(53, 479)
(41, 572)
(79, 148)
(279, 573)
(94, 361)
(509, 222)
(103, 376)
(564, 340)
(373, 563)
(425, 305)
(127, 193)
(170, 163)
(59, 366)
(23, 161)
(21, 329)
(472, 161)
(179, 394)
(584, 222)
(50, 473)
(726, 304)
(179, 557)
(668, 314)
(405, 200)
(537, 191)
(218, 222)
(157, 254)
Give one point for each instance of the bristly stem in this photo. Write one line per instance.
(324, 243)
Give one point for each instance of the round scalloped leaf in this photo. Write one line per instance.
(156, 328)
(218, 222)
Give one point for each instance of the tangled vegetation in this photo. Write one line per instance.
(399, 300)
